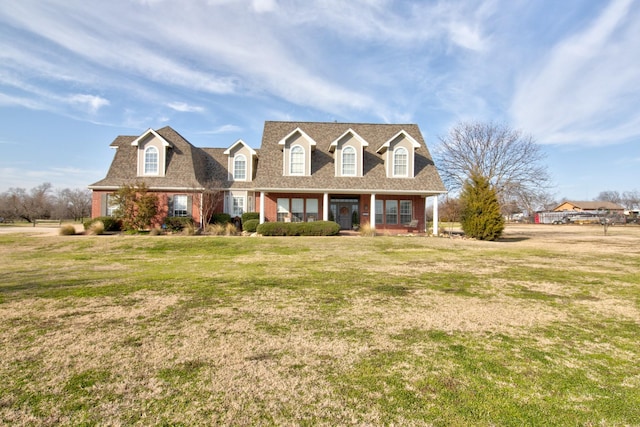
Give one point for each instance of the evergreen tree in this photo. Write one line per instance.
(481, 217)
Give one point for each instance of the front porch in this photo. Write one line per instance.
(390, 213)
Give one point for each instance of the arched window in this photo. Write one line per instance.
(151, 161)
(348, 161)
(400, 162)
(240, 168)
(297, 160)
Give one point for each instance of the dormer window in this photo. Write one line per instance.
(241, 161)
(398, 154)
(297, 160)
(240, 168)
(151, 161)
(400, 162)
(348, 161)
(348, 151)
(296, 148)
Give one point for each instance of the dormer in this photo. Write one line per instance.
(152, 154)
(348, 154)
(399, 155)
(296, 153)
(241, 161)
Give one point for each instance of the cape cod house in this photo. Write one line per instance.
(381, 174)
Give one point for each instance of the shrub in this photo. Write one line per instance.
(177, 223)
(230, 229)
(250, 225)
(247, 216)
(366, 230)
(109, 223)
(67, 230)
(317, 228)
(221, 218)
(481, 217)
(96, 227)
(155, 232)
(216, 229)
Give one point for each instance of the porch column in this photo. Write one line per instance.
(435, 215)
(372, 211)
(325, 207)
(262, 196)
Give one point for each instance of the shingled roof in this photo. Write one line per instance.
(269, 173)
(187, 166)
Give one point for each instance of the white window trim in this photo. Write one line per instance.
(355, 161)
(393, 162)
(236, 159)
(304, 163)
(144, 161)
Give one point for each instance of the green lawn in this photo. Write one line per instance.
(541, 328)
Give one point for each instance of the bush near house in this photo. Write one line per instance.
(250, 225)
(250, 215)
(220, 218)
(110, 223)
(316, 228)
(177, 223)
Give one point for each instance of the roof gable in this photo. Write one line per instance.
(244, 144)
(148, 132)
(384, 147)
(334, 144)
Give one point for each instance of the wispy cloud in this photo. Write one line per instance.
(92, 102)
(183, 107)
(586, 89)
(228, 128)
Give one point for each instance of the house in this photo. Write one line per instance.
(303, 171)
(575, 206)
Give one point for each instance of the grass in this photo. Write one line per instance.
(539, 329)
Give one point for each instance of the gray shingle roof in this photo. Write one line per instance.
(269, 172)
(191, 167)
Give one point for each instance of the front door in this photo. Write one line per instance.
(342, 210)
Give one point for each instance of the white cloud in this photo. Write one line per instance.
(92, 102)
(586, 90)
(183, 107)
(228, 128)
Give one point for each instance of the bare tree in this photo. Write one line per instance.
(207, 199)
(34, 204)
(609, 196)
(510, 160)
(74, 204)
(631, 199)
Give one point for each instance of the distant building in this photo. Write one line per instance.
(574, 206)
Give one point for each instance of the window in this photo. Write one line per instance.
(283, 210)
(312, 209)
(348, 161)
(151, 161)
(297, 160)
(240, 168)
(405, 211)
(238, 206)
(112, 206)
(391, 211)
(400, 166)
(379, 212)
(180, 205)
(297, 210)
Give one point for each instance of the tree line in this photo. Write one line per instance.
(43, 202)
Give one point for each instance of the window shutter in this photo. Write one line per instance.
(103, 204)
(169, 205)
(189, 205)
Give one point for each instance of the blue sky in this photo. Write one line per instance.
(74, 74)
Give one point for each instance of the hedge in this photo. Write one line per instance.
(110, 223)
(250, 215)
(177, 223)
(221, 218)
(250, 225)
(316, 228)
